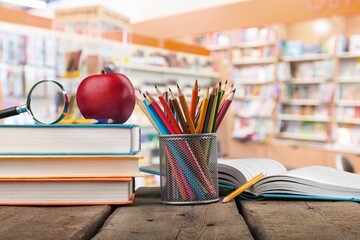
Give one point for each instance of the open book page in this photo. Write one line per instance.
(236, 172)
(312, 180)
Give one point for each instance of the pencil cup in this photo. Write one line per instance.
(188, 169)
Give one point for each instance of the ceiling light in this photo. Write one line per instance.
(27, 3)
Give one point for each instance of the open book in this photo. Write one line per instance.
(312, 182)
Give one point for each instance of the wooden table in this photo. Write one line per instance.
(148, 219)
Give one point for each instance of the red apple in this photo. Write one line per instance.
(106, 96)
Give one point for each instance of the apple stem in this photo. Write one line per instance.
(103, 71)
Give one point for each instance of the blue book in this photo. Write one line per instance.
(74, 139)
(306, 183)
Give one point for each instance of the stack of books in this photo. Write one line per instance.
(68, 164)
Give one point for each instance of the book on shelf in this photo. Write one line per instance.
(66, 191)
(68, 166)
(311, 182)
(81, 139)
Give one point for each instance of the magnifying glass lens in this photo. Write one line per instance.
(47, 102)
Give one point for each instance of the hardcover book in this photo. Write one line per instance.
(81, 139)
(65, 166)
(66, 191)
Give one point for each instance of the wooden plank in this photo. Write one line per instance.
(81, 222)
(147, 218)
(301, 219)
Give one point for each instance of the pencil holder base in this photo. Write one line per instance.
(188, 169)
(192, 202)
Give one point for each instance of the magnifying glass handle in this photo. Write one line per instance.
(8, 112)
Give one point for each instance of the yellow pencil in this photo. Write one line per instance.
(143, 108)
(84, 121)
(251, 182)
(213, 109)
(204, 107)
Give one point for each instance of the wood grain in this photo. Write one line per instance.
(302, 220)
(81, 222)
(149, 219)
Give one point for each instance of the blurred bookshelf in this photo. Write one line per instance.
(306, 94)
(291, 88)
(252, 54)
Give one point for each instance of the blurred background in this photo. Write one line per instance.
(295, 65)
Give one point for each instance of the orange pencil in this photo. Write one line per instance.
(194, 98)
(167, 109)
(204, 106)
(185, 109)
(178, 112)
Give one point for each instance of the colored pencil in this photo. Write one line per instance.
(212, 110)
(204, 107)
(160, 113)
(168, 111)
(208, 111)
(146, 112)
(155, 117)
(185, 110)
(251, 182)
(224, 109)
(222, 91)
(194, 99)
(216, 111)
(180, 178)
(179, 114)
(226, 93)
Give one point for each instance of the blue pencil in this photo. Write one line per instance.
(156, 118)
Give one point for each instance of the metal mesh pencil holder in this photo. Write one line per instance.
(188, 169)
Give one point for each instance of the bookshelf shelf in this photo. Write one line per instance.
(349, 120)
(303, 136)
(253, 61)
(253, 81)
(349, 55)
(350, 103)
(307, 102)
(254, 44)
(309, 80)
(238, 115)
(293, 117)
(348, 79)
(169, 70)
(307, 57)
(218, 47)
(250, 98)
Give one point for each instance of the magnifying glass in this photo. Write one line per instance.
(39, 106)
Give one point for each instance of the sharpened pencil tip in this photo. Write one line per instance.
(226, 200)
